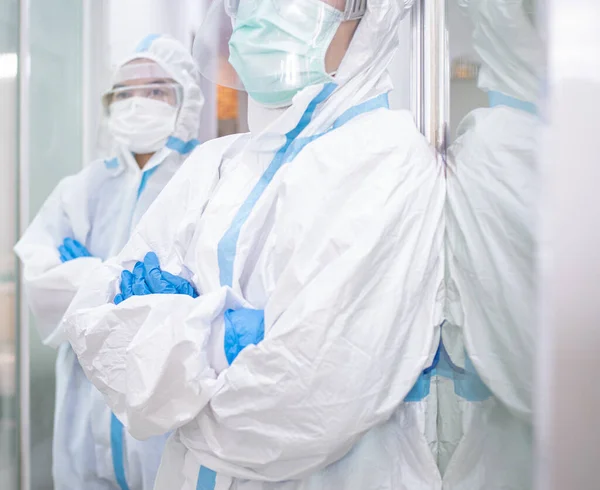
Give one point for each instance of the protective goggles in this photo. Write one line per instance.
(170, 93)
(349, 9)
(140, 70)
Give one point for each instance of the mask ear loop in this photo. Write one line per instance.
(355, 9)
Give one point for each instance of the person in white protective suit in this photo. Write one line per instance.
(299, 264)
(153, 112)
(493, 183)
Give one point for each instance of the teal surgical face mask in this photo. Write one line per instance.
(278, 48)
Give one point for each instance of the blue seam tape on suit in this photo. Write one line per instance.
(116, 446)
(180, 146)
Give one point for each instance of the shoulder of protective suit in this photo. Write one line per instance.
(84, 182)
(387, 122)
(388, 132)
(400, 122)
(102, 165)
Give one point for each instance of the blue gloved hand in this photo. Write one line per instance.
(148, 278)
(139, 286)
(72, 249)
(243, 327)
(126, 287)
(161, 282)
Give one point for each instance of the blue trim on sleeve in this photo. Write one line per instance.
(116, 446)
(180, 146)
(499, 99)
(145, 44)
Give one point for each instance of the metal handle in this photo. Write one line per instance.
(430, 79)
(23, 219)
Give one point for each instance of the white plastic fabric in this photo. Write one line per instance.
(509, 46)
(98, 207)
(343, 253)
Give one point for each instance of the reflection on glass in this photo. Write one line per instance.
(492, 191)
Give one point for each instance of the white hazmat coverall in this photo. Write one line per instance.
(99, 207)
(330, 220)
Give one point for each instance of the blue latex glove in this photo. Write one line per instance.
(71, 250)
(148, 278)
(133, 284)
(161, 282)
(139, 285)
(126, 287)
(243, 327)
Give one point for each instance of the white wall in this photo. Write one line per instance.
(568, 395)
(132, 20)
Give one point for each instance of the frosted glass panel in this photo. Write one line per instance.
(9, 38)
(55, 152)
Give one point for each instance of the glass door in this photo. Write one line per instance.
(41, 70)
(478, 80)
(9, 43)
(54, 150)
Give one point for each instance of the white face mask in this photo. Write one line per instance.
(142, 125)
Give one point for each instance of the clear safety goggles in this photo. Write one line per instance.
(349, 9)
(211, 44)
(141, 70)
(170, 93)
